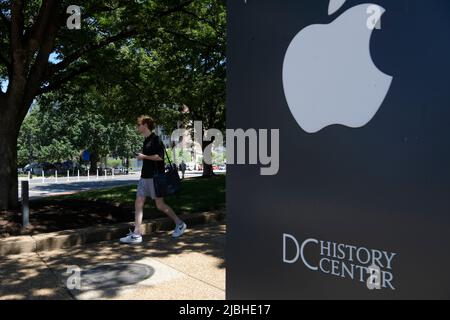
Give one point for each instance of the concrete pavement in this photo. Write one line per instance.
(192, 267)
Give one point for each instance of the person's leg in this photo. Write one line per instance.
(139, 212)
(135, 236)
(163, 207)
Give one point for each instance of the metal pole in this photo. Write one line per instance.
(25, 204)
(97, 174)
(68, 176)
(89, 178)
(56, 176)
(174, 154)
(78, 175)
(195, 159)
(43, 176)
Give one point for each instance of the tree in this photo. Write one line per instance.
(32, 30)
(192, 65)
(62, 128)
(27, 147)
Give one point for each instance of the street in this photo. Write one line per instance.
(52, 186)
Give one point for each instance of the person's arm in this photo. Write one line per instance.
(154, 157)
(159, 156)
(159, 151)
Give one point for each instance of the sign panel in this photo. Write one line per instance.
(360, 204)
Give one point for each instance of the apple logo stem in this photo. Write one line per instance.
(329, 76)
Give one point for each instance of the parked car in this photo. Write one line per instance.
(29, 167)
(119, 170)
(189, 167)
(68, 165)
(60, 168)
(38, 168)
(48, 168)
(34, 168)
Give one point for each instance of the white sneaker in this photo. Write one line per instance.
(131, 238)
(179, 230)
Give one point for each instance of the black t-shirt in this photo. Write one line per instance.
(152, 145)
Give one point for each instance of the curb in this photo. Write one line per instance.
(75, 237)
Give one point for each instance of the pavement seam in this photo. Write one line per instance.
(35, 248)
(60, 285)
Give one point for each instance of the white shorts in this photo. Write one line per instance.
(146, 188)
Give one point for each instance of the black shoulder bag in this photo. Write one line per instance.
(168, 182)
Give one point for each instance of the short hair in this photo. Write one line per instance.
(148, 121)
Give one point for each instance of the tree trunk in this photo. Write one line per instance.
(207, 168)
(94, 160)
(8, 164)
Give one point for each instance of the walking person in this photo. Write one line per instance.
(153, 161)
(182, 168)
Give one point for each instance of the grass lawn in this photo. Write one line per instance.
(197, 194)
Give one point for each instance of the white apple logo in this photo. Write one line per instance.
(329, 76)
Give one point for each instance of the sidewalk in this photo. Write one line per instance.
(160, 268)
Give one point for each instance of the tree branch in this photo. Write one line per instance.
(177, 8)
(134, 84)
(204, 20)
(141, 102)
(37, 71)
(185, 37)
(17, 25)
(5, 61)
(6, 21)
(17, 79)
(35, 34)
(56, 84)
(54, 69)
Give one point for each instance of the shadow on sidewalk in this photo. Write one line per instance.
(43, 276)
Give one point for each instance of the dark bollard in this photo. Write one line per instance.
(25, 205)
